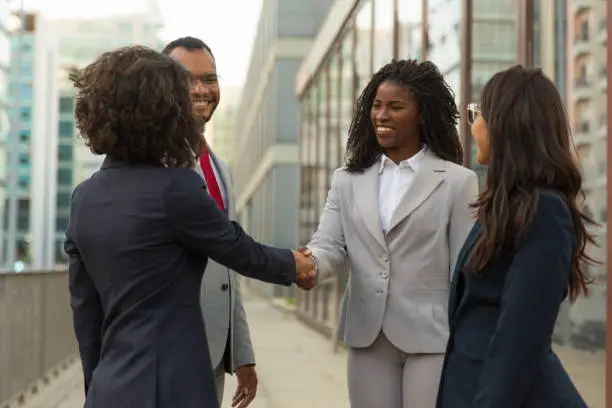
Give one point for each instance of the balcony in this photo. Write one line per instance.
(603, 31)
(582, 44)
(582, 133)
(582, 89)
(580, 6)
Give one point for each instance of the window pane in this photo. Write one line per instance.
(363, 55)
(383, 33)
(348, 81)
(64, 176)
(65, 153)
(409, 16)
(66, 128)
(66, 105)
(335, 150)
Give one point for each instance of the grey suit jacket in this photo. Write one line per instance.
(399, 281)
(222, 308)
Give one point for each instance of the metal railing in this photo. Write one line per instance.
(36, 333)
(320, 308)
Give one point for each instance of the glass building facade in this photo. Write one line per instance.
(21, 85)
(5, 67)
(30, 143)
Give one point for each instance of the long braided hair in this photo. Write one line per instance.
(436, 103)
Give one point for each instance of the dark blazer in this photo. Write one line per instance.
(138, 239)
(501, 320)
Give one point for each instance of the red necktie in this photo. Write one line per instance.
(211, 180)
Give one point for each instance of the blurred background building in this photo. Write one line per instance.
(81, 42)
(586, 98)
(51, 159)
(221, 132)
(5, 68)
(32, 144)
(265, 164)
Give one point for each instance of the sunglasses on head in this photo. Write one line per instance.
(473, 110)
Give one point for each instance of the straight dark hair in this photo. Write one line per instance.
(531, 151)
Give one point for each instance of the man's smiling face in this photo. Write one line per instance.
(205, 88)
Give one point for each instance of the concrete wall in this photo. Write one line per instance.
(36, 332)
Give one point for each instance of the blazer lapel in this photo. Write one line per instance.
(225, 180)
(224, 174)
(365, 188)
(429, 176)
(453, 302)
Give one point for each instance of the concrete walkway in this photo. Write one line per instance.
(297, 368)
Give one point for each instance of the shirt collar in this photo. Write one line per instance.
(412, 162)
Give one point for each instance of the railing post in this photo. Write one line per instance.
(609, 223)
(466, 80)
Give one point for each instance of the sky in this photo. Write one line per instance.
(227, 26)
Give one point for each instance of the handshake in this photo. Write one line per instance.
(305, 268)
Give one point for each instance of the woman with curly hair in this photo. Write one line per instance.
(397, 214)
(140, 233)
(525, 254)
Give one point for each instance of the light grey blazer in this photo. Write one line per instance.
(399, 281)
(220, 298)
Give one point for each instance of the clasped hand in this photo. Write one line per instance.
(304, 269)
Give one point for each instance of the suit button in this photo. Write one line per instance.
(385, 257)
(384, 275)
(224, 287)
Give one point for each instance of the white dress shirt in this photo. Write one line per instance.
(393, 182)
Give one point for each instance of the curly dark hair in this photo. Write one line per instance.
(531, 151)
(436, 103)
(134, 104)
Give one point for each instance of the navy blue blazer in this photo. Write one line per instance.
(138, 241)
(499, 353)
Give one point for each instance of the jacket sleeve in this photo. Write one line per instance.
(87, 311)
(201, 226)
(462, 218)
(535, 286)
(327, 244)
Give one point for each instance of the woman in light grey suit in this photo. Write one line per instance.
(398, 213)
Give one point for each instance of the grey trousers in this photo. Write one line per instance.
(381, 375)
(220, 380)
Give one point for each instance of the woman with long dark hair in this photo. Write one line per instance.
(524, 256)
(397, 214)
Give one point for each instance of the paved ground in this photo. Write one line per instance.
(298, 369)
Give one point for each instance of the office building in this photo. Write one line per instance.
(265, 166)
(587, 90)
(221, 131)
(33, 141)
(81, 42)
(5, 61)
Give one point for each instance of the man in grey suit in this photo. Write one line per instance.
(227, 329)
